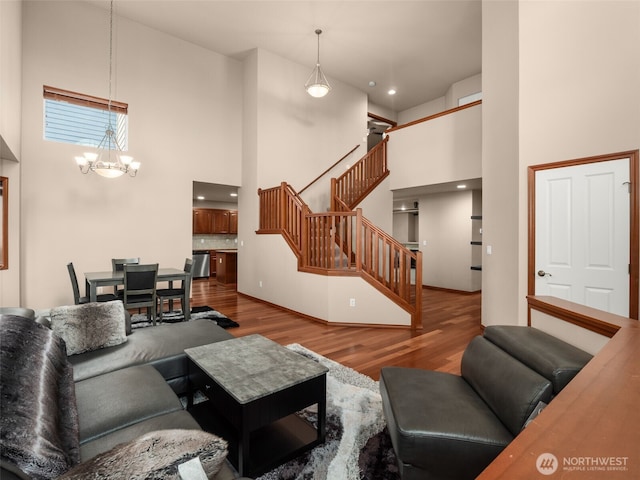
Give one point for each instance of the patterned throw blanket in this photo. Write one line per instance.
(357, 446)
(39, 421)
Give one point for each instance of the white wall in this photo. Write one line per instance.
(10, 131)
(560, 81)
(185, 121)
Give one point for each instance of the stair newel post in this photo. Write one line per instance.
(304, 236)
(260, 210)
(416, 318)
(282, 221)
(359, 231)
(332, 204)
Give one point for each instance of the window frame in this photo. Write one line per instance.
(83, 100)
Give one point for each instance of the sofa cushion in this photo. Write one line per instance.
(510, 388)
(90, 326)
(161, 346)
(155, 455)
(438, 424)
(175, 420)
(122, 398)
(39, 423)
(549, 356)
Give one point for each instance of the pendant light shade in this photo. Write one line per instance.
(317, 84)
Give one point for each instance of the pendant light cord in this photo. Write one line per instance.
(318, 32)
(110, 56)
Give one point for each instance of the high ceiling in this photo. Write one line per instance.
(417, 47)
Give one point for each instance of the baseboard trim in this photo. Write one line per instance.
(452, 290)
(319, 320)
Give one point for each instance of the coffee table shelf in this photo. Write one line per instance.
(270, 446)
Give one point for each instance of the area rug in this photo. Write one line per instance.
(357, 445)
(140, 320)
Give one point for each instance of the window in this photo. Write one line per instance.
(81, 119)
(474, 97)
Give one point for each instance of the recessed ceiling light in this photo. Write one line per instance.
(233, 194)
(461, 186)
(200, 197)
(392, 91)
(372, 83)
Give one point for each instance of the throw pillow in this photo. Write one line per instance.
(90, 326)
(39, 419)
(154, 456)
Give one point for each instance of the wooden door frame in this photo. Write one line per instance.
(634, 213)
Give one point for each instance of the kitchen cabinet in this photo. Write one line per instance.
(220, 221)
(214, 263)
(201, 220)
(233, 221)
(209, 221)
(227, 266)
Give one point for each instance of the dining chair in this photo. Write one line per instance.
(117, 265)
(171, 294)
(104, 297)
(140, 288)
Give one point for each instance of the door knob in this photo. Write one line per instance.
(542, 273)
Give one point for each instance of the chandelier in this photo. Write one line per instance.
(317, 84)
(110, 160)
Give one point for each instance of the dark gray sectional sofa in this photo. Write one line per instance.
(121, 392)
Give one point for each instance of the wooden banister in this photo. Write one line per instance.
(435, 115)
(344, 243)
(356, 183)
(330, 168)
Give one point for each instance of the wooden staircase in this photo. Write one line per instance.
(342, 242)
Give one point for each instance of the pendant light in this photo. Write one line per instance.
(317, 84)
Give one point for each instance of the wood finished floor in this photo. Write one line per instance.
(450, 321)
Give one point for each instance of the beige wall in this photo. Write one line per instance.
(446, 226)
(296, 144)
(10, 131)
(446, 149)
(185, 121)
(500, 182)
(560, 81)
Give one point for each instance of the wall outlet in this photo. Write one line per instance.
(352, 302)
(489, 249)
(260, 283)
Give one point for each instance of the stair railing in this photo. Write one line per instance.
(357, 182)
(344, 243)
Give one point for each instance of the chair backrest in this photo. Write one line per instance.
(117, 264)
(188, 266)
(140, 280)
(74, 283)
(510, 388)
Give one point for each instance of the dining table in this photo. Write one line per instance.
(94, 280)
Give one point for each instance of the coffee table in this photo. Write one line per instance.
(255, 386)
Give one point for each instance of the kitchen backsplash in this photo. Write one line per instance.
(212, 242)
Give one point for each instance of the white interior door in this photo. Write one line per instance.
(583, 233)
